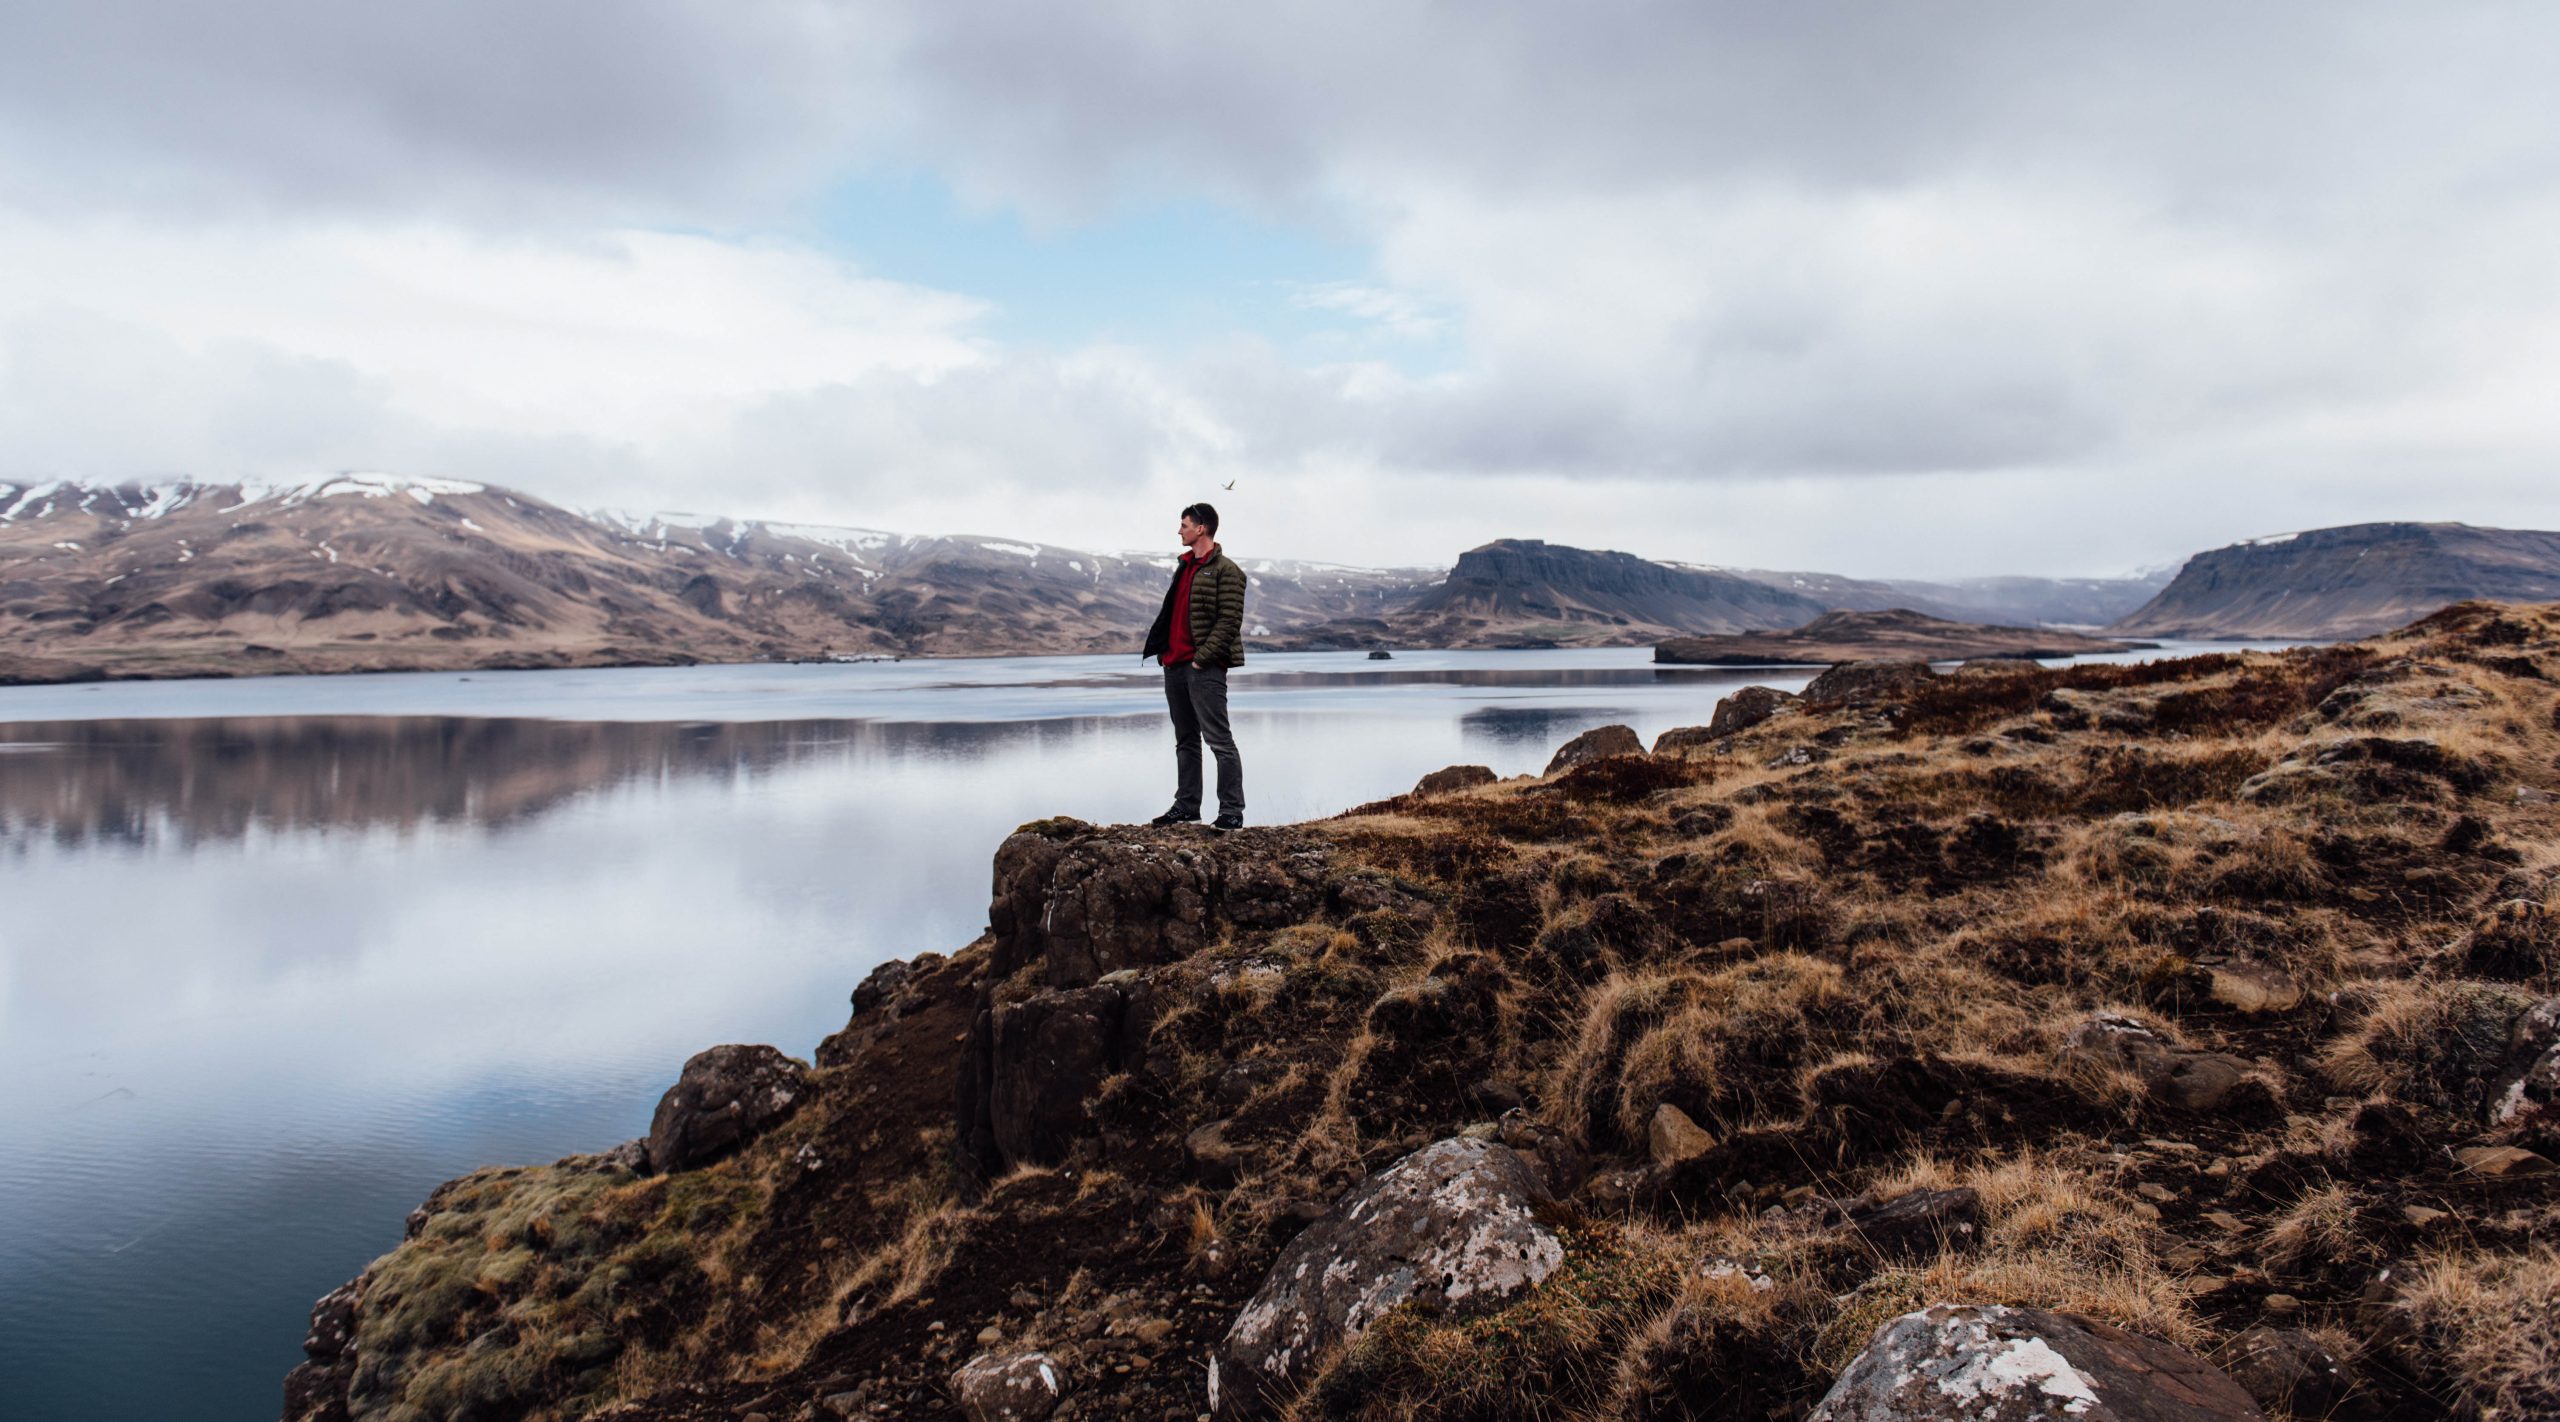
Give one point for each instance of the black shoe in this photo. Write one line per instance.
(1224, 823)
(1177, 817)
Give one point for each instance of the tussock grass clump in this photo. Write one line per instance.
(2492, 1323)
(1546, 1355)
(1735, 1343)
(1725, 1047)
(527, 1282)
(2430, 1044)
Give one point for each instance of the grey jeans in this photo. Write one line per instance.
(1197, 697)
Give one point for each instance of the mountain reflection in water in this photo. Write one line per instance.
(183, 782)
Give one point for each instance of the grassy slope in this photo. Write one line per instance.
(1848, 944)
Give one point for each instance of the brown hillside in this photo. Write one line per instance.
(2195, 998)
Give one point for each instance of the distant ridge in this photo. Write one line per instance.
(2351, 581)
(370, 572)
(1837, 637)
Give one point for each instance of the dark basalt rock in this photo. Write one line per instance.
(2288, 1369)
(1083, 902)
(316, 1390)
(1868, 683)
(1921, 1224)
(1029, 1068)
(1456, 777)
(726, 1097)
(1591, 745)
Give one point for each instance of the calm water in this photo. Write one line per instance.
(277, 956)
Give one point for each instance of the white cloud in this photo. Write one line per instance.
(1397, 313)
(2091, 287)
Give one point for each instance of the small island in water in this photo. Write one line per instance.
(1894, 634)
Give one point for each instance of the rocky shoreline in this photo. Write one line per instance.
(2164, 1041)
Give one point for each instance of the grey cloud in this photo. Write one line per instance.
(665, 109)
(2241, 107)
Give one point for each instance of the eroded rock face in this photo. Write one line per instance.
(1449, 1226)
(1987, 1363)
(1028, 1068)
(1868, 683)
(2525, 1101)
(1747, 708)
(1456, 777)
(1083, 902)
(316, 1390)
(1009, 1387)
(726, 1097)
(1592, 744)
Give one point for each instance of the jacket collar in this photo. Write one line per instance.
(1214, 550)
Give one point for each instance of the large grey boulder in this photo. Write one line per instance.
(1987, 1363)
(1020, 1386)
(1449, 1226)
(725, 1098)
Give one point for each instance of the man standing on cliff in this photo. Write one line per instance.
(1198, 635)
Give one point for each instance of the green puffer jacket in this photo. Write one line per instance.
(1217, 614)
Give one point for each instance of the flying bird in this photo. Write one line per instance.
(1228, 485)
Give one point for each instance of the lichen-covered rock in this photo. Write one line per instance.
(1449, 1227)
(1455, 777)
(726, 1097)
(1591, 745)
(1868, 683)
(1987, 1363)
(1009, 1387)
(2524, 1102)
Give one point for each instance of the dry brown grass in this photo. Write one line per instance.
(2424, 1043)
(1724, 1046)
(2492, 1321)
(2317, 1230)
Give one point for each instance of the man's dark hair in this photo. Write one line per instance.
(1204, 516)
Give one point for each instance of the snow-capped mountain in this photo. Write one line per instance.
(359, 571)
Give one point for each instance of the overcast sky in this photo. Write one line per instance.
(1879, 289)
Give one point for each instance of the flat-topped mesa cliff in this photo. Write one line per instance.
(1837, 637)
(2185, 1029)
(1525, 592)
(2352, 581)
